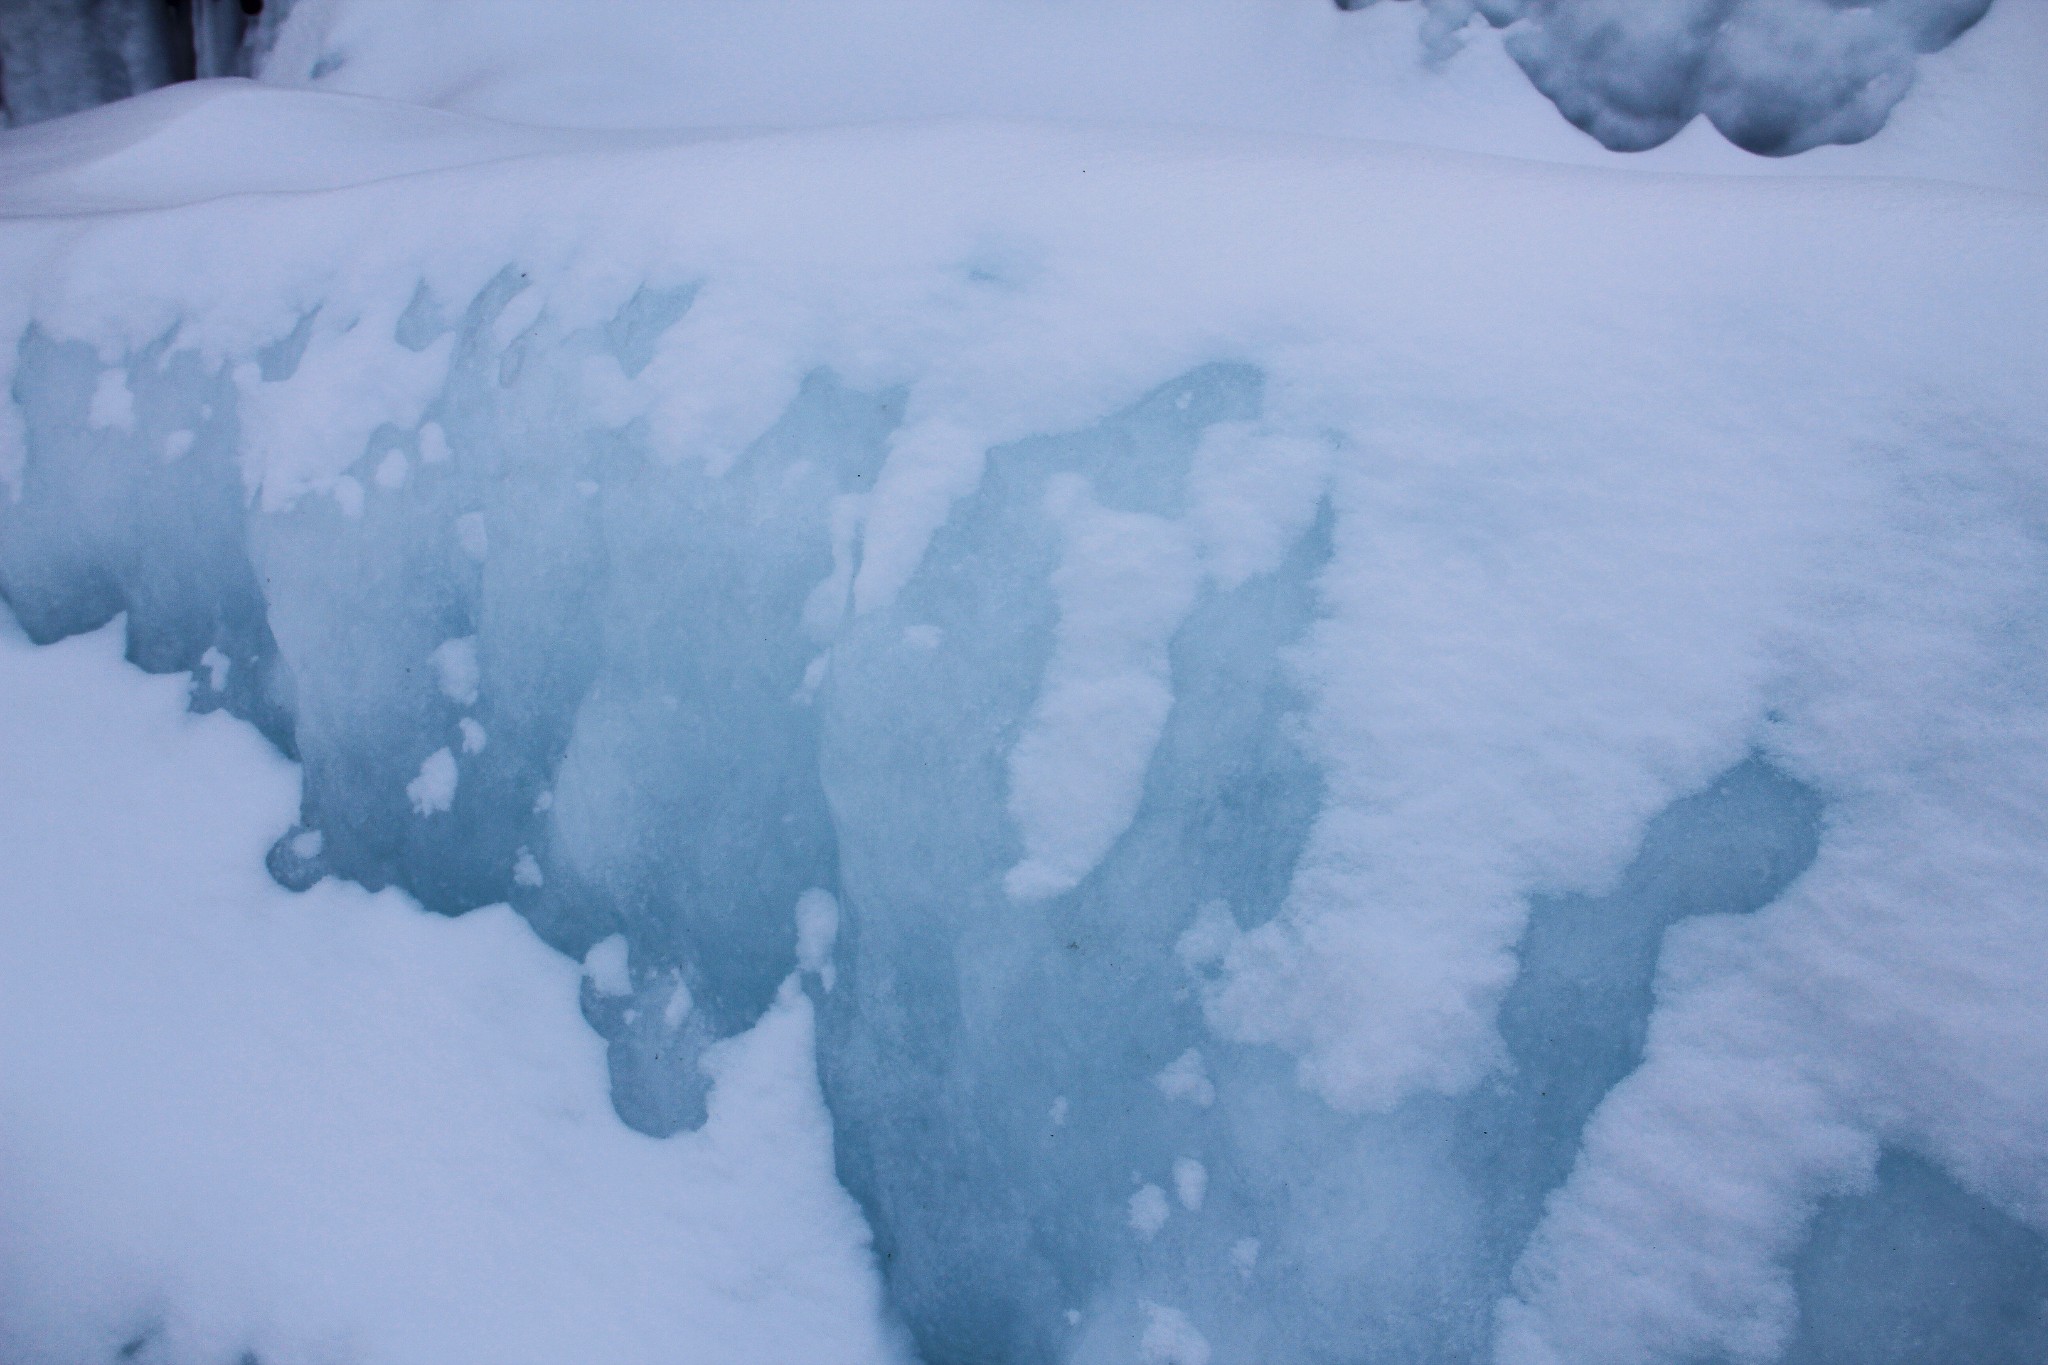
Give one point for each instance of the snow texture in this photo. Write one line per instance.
(1773, 76)
(243, 1125)
(1357, 752)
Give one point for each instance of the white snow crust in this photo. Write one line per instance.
(1592, 485)
(333, 1126)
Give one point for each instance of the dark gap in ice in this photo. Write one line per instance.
(1577, 1015)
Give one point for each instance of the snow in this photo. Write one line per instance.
(112, 404)
(817, 933)
(1416, 73)
(605, 967)
(331, 1126)
(1125, 583)
(1311, 746)
(455, 669)
(1186, 1078)
(1774, 76)
(1149, 1211)
(433, 791)
(1170, 1339)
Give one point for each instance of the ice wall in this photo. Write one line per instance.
(1364, 754)
(61, 56)
(57, 56)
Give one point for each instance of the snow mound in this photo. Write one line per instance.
(1356, 750)
(241, 1124)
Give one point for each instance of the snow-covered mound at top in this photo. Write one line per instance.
(1773, 76)
(245, 1124)
(1367, 754)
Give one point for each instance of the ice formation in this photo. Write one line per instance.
(60, 56)
(1362, 754)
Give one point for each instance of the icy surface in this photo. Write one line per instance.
(59, 56)
(1361, 753)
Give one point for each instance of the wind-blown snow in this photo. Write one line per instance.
(1358, 751)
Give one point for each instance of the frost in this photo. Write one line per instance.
(1187, 1078)
(433, 443)
(473, 536)
(113, 403)
(433, 791)
(456, 671)
(1244, 1255)
(678, 1006)
(526, 871)
(817, 928)
(604, 966)
(348, 495)
(391, 471)
(1170, 1339)
(1149, 1211)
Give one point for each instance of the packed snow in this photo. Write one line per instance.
(240, 1123)
(1230, 747)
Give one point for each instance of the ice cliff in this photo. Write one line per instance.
(1364, 754)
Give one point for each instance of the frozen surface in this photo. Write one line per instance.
(60, 56)
(332, 1127)
(1360, 753)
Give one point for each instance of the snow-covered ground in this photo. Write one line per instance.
(331, 1126)
(1238, 742)
(1978, 110)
